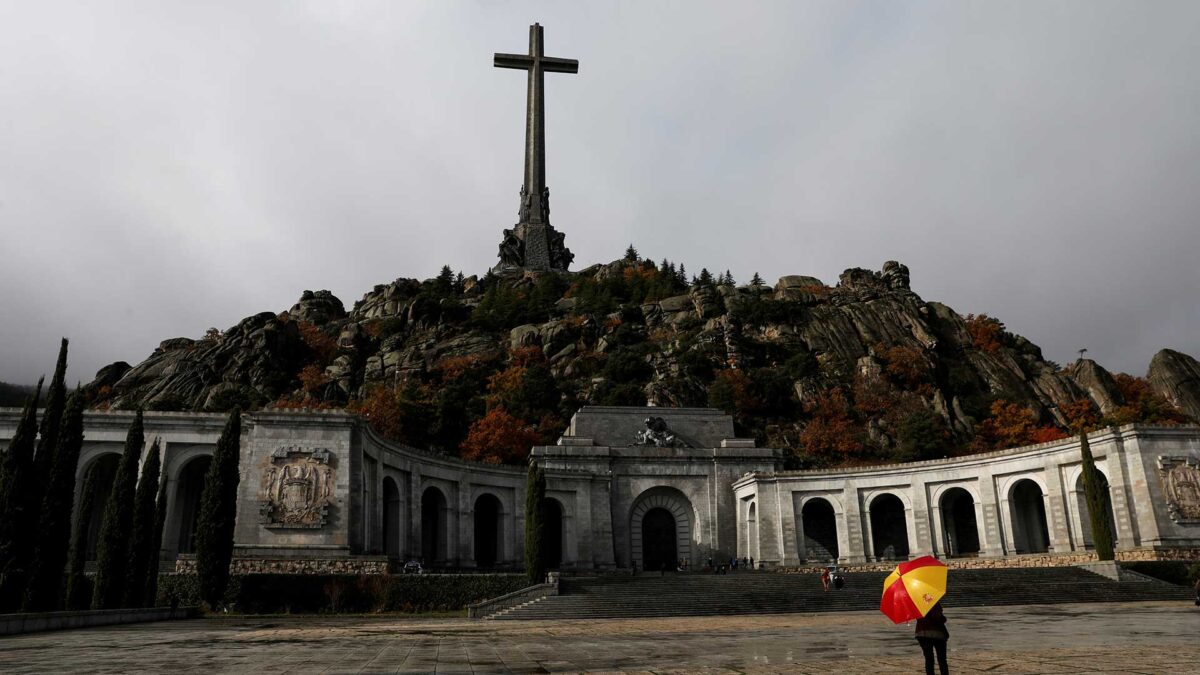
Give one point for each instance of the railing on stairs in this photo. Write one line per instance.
(493, 606)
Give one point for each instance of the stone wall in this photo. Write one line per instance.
(1035, 560)
(373, 565)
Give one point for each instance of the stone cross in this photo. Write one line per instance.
(535, 206)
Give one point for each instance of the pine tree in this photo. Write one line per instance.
(79, 591)
(683, 276)
(141, 555)
(705, 278)
(54, 528)
(150, 598)
(535, 526)
(727, 280)
(1097, 501)
(218, 509)
(56, 398)
(757, 282)
(631, 254)
(112, 549)
(445, 280)
(18, 508)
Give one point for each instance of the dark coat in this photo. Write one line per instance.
(933, 624)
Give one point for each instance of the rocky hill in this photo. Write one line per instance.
(861, 371)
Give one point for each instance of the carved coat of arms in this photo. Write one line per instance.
(1181, 484)
(298, 487)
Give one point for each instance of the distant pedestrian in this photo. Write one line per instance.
(932, 636)
(825, 579)
(751, 562)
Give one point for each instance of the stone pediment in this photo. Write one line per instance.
(621, 426)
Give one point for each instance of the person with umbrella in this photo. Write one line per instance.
(914, 591)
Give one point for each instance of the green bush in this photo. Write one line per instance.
(344, 593)
(1178, 572)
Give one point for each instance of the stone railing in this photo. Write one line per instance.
(482, 610)
(186, 564)
(1073, 559)
(34, 622)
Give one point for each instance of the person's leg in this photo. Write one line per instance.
(927, 650)
(940, 645)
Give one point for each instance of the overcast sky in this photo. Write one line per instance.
(167, 167)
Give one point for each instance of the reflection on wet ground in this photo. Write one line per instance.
(1153, 637)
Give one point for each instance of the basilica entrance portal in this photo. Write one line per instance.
(660, 529)
(659, 544)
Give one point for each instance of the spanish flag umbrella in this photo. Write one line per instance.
(913, 588)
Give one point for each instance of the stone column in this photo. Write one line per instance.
(920, 541)
(857, 543)
(789, 555)
(1119, 491)
(412, 529)
(1056, 515)
(1006, 523)
(988, 518)
(941, 543)
(462, 526)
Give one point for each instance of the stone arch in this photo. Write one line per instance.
(1084, 512)
(889, 527)
(552, 518)
(818, 519)
(678, 512)
(489, 530)
(959, 522)
(391, 518)
(189, 487)
(1031, 534)
(104, 466)
(434, 532)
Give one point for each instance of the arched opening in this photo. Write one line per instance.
(552, 517)
(391, 518)
(487, 530)
(820, 531)
(1085, 517)
(433, 526)
(1030, 533)
(889, 528)
(651, 543)
(189, 489)
(659, 544)
(102, 471)
(752, 530)
(959, 523)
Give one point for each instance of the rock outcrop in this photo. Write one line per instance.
(1176, 377)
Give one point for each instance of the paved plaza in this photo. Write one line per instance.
(1150, 638)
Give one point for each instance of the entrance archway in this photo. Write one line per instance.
(889, 528)
(1030, 534)
(391, 518)
(959, 523)
(659, 540)
(552, 546)
(187, 501)
(487, 530)
(1085, 517)
(651, 542)
(820, 531)
(433, 526)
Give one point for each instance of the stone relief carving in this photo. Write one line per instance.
(298, 487)
(658, 434)
(1180, 478)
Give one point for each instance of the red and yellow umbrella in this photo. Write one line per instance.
(913, 588)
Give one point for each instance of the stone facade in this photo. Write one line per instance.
(320, 492)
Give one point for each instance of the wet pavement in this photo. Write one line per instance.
(1151, 637)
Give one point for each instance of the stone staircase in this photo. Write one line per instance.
(697, 594)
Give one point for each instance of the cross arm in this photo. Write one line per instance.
(553, 65)
(517, 61)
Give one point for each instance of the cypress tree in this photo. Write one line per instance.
(160, 519)
(79, 592)
(141, 554)
(1097, 501)
(535, 525)
(56, 399)
(54, 528)
(112, 550)
(218, 510)
(18, 508)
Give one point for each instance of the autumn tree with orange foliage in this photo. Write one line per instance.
(1142, 404)
(831, 435)
(1012, 425)
(323, 347)
(499, 438)
(906, 366)
(986, 332)
(313, 379)
(1081, 415)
